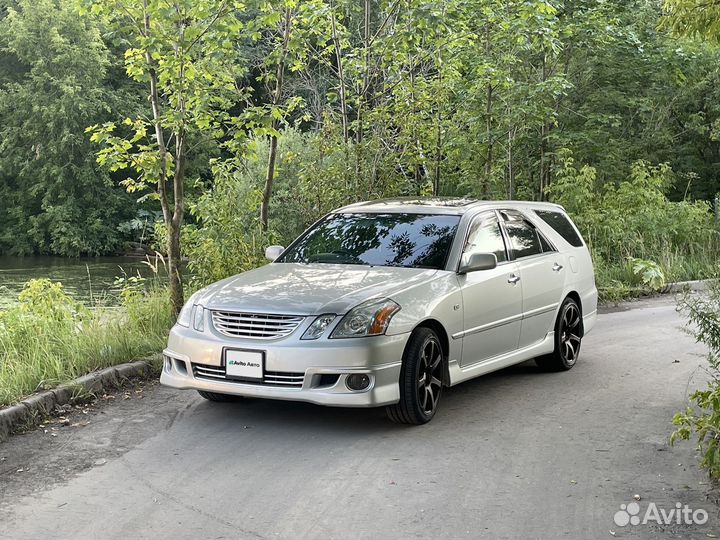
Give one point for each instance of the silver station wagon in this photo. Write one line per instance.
(386, 303)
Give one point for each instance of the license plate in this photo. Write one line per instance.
(246, 365)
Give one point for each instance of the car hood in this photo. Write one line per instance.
(308, 289)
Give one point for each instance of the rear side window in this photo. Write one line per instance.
(562, 226)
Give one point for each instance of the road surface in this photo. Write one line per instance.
(515, 454)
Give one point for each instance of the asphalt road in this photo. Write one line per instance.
(515, 454)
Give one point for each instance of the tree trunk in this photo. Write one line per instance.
(488, 134)
(510, 168)
(544, 131)
(488, 122)
(172, 218)
(174, 268)
(277, 97)
(341, 77)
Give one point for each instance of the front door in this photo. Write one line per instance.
(492, 299)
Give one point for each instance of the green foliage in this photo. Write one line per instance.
(48, 338)
(648, 272)
(52, 85)
(703, 419)
(693, 18)
(634, 221)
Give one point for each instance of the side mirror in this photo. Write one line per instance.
(477, 261)
(273, 252)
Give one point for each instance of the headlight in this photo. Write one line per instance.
(186, 312)
(316, 329)
(199, 318)
(369, 319)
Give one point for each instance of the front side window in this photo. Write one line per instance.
(408, 240)
(486, 237)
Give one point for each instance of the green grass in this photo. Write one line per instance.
(616, 280)
(48, 339)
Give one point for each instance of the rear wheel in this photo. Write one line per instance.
(420, 379)
(568, 338)
(214, 396)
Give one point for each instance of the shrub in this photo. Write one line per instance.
(704, 418)
(634, 221)
(311, 179)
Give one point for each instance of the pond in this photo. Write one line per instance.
(84, 278)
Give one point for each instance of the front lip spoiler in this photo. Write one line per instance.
(384, 389)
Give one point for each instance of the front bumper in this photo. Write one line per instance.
(378, 356)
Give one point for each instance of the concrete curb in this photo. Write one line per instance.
(44, 402)
(695, 286)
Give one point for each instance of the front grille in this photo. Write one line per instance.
(285, 379)
(255, 325)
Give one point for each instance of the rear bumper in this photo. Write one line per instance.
(379, 357)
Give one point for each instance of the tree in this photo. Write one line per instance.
(293, 31)
(53, 83)
(694, 18)
(185, 53)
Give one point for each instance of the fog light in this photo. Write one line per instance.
(357, 381)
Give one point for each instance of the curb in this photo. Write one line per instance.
(697, 285)
(43, 403)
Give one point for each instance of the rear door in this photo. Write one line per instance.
(492, 299)
(542, 274)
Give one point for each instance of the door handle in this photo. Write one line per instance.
(513, 279)
(557, 267)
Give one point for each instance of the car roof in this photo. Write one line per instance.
(439, 205)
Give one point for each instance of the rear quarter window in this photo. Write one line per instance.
(562, 225)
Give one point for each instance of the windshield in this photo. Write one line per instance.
(409, 240)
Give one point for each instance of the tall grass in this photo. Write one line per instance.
(48, 338)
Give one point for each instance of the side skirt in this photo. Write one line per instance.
(459, 374)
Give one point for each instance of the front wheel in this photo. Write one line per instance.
(420, 379)
(568, 337)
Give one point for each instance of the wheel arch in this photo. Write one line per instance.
(437, 327)
(576, 297)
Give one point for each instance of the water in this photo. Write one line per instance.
(86, 279)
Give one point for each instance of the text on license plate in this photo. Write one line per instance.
(244, 364)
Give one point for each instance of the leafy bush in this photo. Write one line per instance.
(48, 338)
(704, 419)
(311, 180)
(648, 272)
(633, 221)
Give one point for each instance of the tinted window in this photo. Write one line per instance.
(562, 226)
(411, 240)
(523, 239)
(546, 246)
(486, 237)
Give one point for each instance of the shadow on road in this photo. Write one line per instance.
(484, 395)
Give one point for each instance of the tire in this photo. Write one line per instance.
(220, 398)
(568, 338)
(421, 379)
